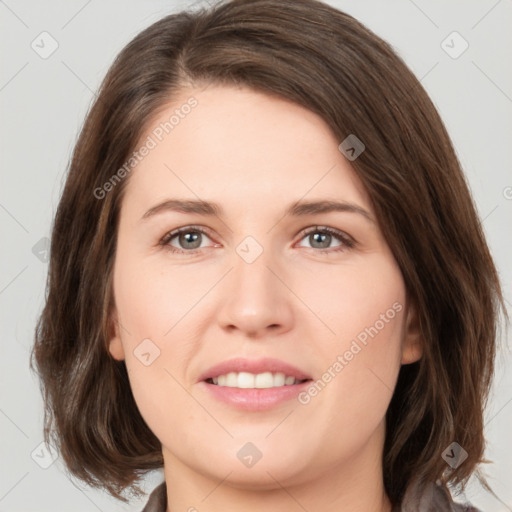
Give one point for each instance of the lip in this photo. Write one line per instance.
(254, 399)
(255, 366)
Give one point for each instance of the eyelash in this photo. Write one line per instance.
(347, 241)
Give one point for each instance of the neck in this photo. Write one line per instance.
(354, 485)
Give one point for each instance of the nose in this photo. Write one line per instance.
(258, 301)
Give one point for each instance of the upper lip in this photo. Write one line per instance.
(253, 366)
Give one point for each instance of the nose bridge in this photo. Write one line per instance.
(254, 282)
(257, 299)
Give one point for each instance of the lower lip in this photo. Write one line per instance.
(253, 399)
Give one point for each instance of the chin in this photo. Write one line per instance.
(260, 465)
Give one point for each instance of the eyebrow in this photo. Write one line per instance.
(297, 209)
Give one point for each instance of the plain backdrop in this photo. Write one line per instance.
(43, 100)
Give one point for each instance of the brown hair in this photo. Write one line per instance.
(326, 61)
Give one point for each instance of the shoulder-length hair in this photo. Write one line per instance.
(325, 60)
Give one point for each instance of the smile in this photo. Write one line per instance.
(246, 380)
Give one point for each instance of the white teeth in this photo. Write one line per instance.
(245, 380)
(250, 380)
(289, 381)
(231, 380)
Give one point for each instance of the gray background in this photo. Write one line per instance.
(43, 102)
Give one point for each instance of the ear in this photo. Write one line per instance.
(115, 346)
(412, 345)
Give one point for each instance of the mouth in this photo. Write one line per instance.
(250, 392)
(247, 380)
(254, 384)
(254, 374)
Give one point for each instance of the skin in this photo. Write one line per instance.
(299, 301)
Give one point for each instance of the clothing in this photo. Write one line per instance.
(157, 499)
(432, 498)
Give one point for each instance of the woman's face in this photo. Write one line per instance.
(263, 281)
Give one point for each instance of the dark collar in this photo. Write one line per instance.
(157, 501)
(429, 498)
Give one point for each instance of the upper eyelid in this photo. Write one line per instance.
(311, 229)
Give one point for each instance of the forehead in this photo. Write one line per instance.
(242, 147)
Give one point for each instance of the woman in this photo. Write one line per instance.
(327, 340)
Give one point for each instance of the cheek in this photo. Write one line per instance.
(148, 308)
(152, 301)
(365, 307)
(155, 362)
(362, 301)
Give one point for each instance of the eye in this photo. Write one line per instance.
(321, 237)
(188, 237)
